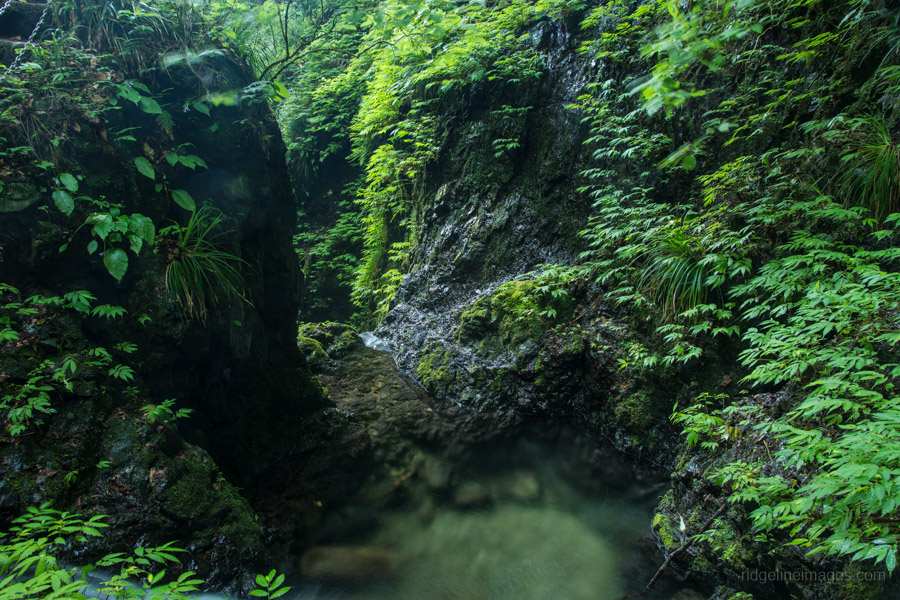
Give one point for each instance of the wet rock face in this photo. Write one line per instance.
(468, 322)
(486, 219)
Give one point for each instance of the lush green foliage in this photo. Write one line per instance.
(35, 557)
(871, 160)
(382, 104)
(26, 403)
(37, 553)
(800, 267)
(200, 271)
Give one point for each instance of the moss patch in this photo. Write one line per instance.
(312, 350)
(666, 532)
(198, 494)
(517, 311)
(434, 371)
(334, 339)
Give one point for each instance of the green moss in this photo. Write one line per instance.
(434, 371)
(334, 339)
(666, 531)
(517, 311)
(473, 323)
(638, 411)
(313, 351)
(199, 494)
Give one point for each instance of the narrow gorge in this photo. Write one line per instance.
(515, 299)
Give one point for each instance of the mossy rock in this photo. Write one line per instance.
(435, 372)
(474, 323)
(316, 357)
(198, 494)
(639, 411)
(18, 196)
(666, 531)
(335, 339)
(517, 311)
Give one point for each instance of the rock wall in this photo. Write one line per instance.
(468, 321)
(252, 396)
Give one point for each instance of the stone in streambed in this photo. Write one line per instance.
(471, 494)
(521, 486)
(437, 474)
(353, 563)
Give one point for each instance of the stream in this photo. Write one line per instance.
(459, 505)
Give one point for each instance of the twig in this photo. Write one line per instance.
(674, 553)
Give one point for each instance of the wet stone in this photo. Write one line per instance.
(354, 563)
(521, 486)
(471, 494)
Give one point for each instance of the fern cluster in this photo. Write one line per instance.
(799, 269)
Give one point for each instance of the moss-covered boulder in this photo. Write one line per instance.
(323, 344)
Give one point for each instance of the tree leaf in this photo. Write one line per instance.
(136, 243)
(103, 224)
(143, 227)
(145, 168)
(150, 106)
(68, 180)
(64, 202)
(92, 246)
(184, 200)
(116, 262)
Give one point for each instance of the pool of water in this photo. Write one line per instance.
(563, 543)
(458, 507)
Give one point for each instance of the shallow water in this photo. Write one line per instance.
(562, 544)
(479, 515)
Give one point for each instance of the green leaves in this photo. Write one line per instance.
(62, 197)
(35, 548)
(113, 228)
(116, 262)
(164, 413)
(142, 227)
(184, 200)
(145, 168)
(269, 586)
(204, 273)
(191, 161)
(64, 201)
(69, 181)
